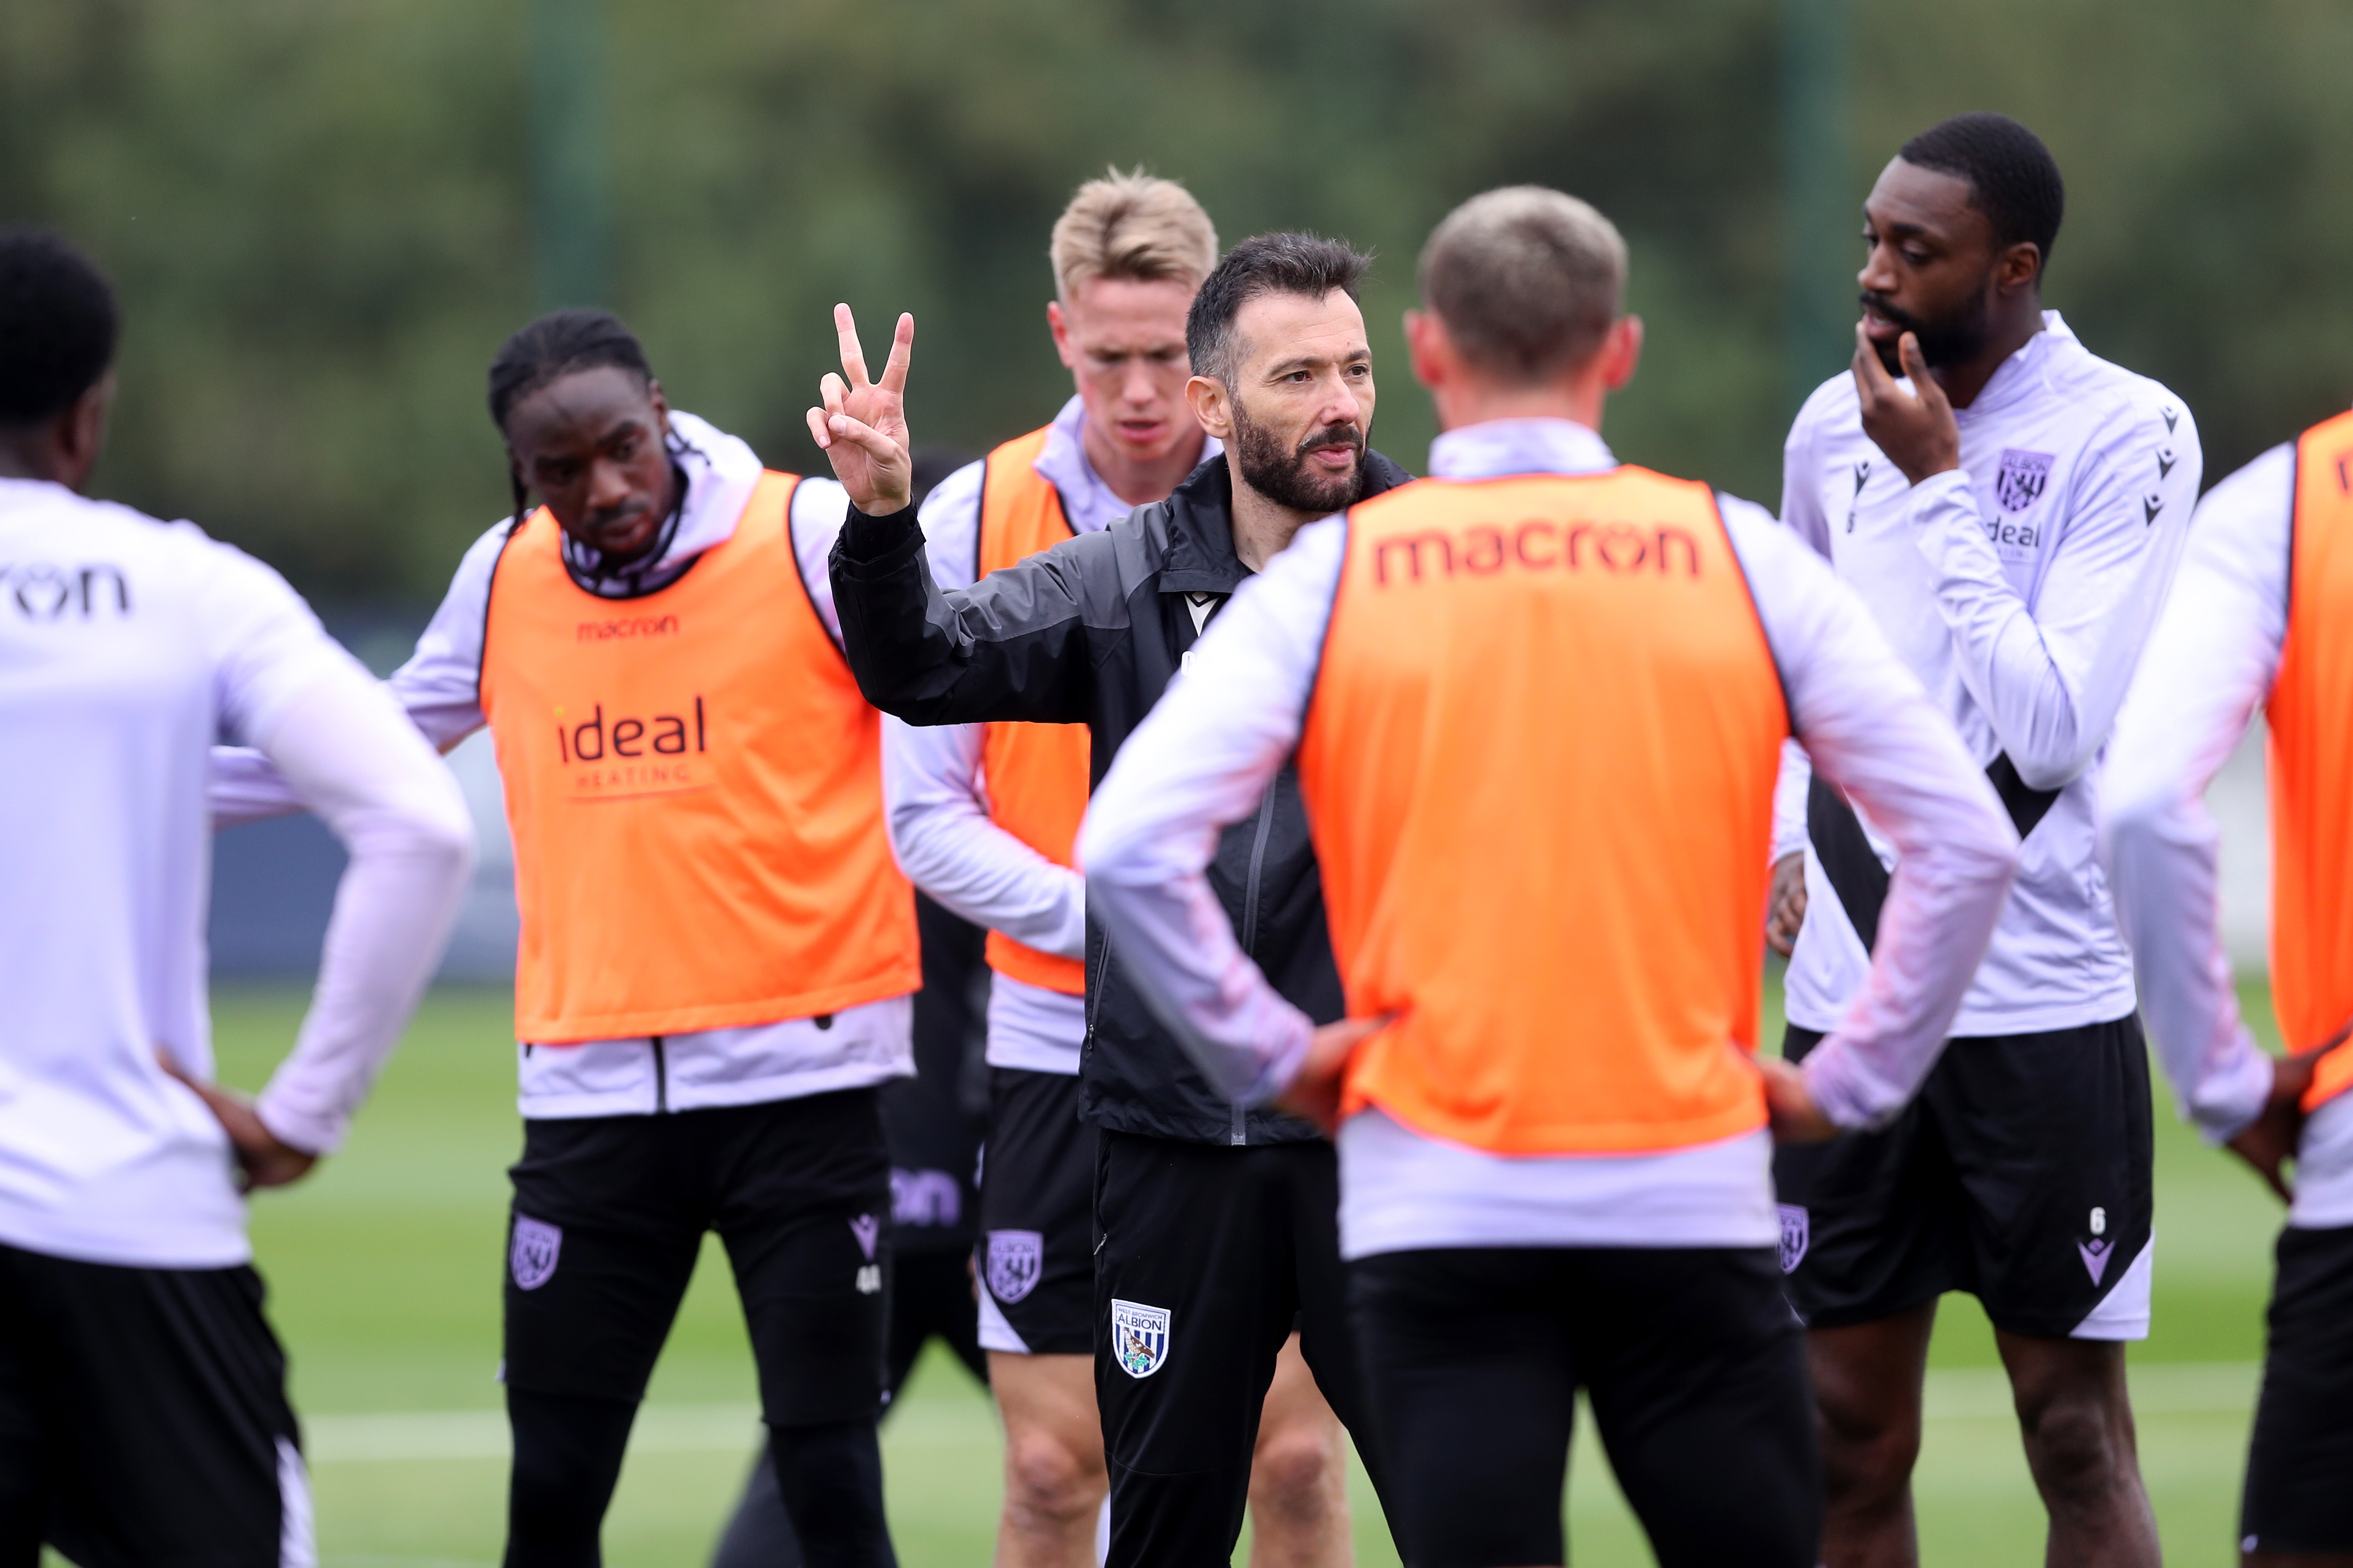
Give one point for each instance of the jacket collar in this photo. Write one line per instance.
(1201, 558)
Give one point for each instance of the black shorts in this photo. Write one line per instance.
(1696, 1372)
(2299, 1494)
(1210, 1257)
(1036, 1252)
(609, 1215)
(2021, 1174)
(144, 1416)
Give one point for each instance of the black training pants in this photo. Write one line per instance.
(1207, 1257)
(609, 1216)
(1694, 1365)
(931, 1293)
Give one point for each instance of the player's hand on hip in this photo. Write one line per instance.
(1789, 1107)
(1915, 429)
(262, 1160)
(863, 428)
(2269, 1142)
(1785, 908)
(1314, 1093)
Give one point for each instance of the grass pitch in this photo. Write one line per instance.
(385, 1271)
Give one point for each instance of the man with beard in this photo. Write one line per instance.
(982, 816)
(1215, 1227)
(2012, 510)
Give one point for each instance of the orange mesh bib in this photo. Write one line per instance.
(1539, 763)
(694, 786)
(2311, 714)
(1037, 773)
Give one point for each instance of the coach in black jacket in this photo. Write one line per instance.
(1217, 1225)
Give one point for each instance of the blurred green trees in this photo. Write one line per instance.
(318, 215)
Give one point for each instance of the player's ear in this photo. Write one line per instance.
(2021, 266)
(1424, 346)
(1212, 406)
(1621, 351)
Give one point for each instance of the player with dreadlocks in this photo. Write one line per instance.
(717, 949)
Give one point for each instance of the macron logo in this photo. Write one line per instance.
(1537, 544)
(627, 626)
(43, 591)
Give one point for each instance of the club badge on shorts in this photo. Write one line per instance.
(1015, 1258)
(531, 1256)
(1139, 1337)
(1797, 1230)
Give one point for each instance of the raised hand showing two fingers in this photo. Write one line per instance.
(863, 427)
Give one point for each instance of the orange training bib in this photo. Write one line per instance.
(1037, 773)
(1539, 763)
(694, 786)
(2312, 763)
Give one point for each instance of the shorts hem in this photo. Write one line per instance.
(1854, 1317)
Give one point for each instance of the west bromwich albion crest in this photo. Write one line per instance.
(1015, 1258)
(1797, 1230)
(2020, 483)
(531, 1253)
(1139, 1337)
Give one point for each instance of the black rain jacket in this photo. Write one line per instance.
(1091, 632)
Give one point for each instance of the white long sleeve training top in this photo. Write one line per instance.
(126, 647)
(937, 798)
(2210, 664)
(1225, 728)
(2020, 589)
(440, 689)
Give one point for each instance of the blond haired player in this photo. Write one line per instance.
(1536, 703)
(982, 817)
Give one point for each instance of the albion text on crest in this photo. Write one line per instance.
(1139, 1337)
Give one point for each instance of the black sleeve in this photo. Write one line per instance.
(1012, 646)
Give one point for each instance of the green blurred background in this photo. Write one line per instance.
(325, 215)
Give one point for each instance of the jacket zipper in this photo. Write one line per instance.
(1094, 989)
(1241, 1134)
(661, 1077)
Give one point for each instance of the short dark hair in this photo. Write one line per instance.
(2014, 179)
(58, 325)
(556, 345)
(1303, 264)
(1529, 282)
